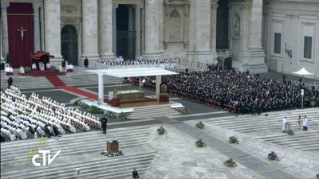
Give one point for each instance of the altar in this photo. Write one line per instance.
(131, 95)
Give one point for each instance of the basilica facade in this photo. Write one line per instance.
(254, 35)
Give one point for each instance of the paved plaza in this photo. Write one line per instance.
(174, 154)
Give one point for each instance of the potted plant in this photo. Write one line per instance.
(200, 125)
(161, 130)
(200, 143)
(233, 140)
(273, 156)
(290, 132)
(317, 176)
(230, 163)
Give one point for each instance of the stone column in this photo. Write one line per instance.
(115, 6)
(214, 27)
(158, 83)
(138, 30)
(151, 29)
(36, 22)
(101, 88)
(244, 27)
(106, 30)
(1, 56)
(5, 41)
(131, 28)
(256, 15)
(202, 30)
(90, 31)
(53, 30)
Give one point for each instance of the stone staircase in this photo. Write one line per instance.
(27, 82)
(80, 151)
(153, 112)
(268, 128)
(88, 79)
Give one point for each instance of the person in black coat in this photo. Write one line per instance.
(86, 62)
(47, 130)
(10, 81)
(135, 174)
(104, 124)
(56, 131)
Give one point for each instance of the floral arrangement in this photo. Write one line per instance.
(290, 132)
(161, 130)
(273, 156)
(233, 140)
(110, 114)
(183, 110)
(200, 125)
(123, 116)
(230, 163)
(110, 154)
(27, 69)
(53, 68)
(200, 143)
(90, 109)
(164, 94)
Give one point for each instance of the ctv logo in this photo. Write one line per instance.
(45, 153)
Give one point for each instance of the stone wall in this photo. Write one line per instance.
(294, 21)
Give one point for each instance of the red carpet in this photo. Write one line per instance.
(43, 73)
(57, 82)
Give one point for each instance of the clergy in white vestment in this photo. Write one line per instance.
(305, 123)
(34, 66)
(41, 66)
(284, 123)
(48, 66)
(22, 70)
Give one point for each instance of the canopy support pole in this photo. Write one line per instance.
(101, 88)
(158, 83)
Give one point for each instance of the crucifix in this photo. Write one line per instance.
(22, 33)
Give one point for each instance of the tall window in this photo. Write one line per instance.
(307, 47)
(277, 45)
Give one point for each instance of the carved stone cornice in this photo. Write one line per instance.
(215, 6)
(4, 5)
(115, 6)
(245, 6)
(138, 6)
(36, 5)
(176, 2)
(71, 21)
(69, 9)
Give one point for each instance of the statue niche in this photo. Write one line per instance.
(237, 25)
(174, 26)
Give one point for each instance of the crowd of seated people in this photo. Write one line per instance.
(22, 117)
(242, 92)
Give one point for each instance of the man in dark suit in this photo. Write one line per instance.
(104, 124)
(135, 174)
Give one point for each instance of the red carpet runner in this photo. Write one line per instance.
(57, 82)
(43, 73)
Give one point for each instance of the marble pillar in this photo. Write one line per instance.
(202, 33)
(138, 30)
(151, 30)
(106, 30)
(131, 28)
(252, 55)
(115, 6)
(1, 56)
(5, 37)
(90, 31)
(101, 87)
(214, 27)
(36, 22)
(158, 83)
(53, 30)
(256, 15)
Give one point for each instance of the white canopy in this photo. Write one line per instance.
(302, 72)
(132, 72)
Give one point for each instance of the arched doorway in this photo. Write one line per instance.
(69, 44)
(228, 63)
